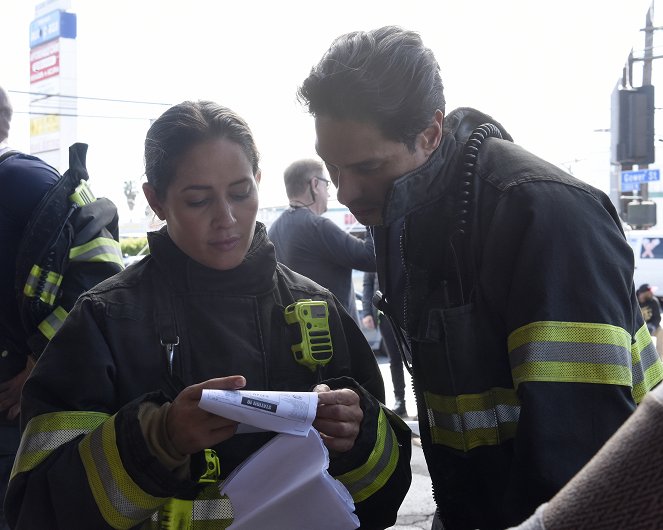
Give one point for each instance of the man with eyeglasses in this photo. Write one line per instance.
(313, 245)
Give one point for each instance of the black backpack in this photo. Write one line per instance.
(70, 244)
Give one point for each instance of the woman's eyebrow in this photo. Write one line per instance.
(196, 187)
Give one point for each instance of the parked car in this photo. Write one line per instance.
(647, 248)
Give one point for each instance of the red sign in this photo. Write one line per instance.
(45, 61)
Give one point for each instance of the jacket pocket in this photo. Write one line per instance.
(468, 392)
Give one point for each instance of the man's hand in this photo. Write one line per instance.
(338, 418)
(368, 321)
(192, 429)
(10, 391)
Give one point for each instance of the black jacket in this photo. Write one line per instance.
(83, 449)
(519, 377)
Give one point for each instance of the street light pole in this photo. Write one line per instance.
(646, 77)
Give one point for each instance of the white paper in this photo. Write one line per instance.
(285, 485)
(283, 412)
(414, 426)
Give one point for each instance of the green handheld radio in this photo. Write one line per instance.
(312, 317)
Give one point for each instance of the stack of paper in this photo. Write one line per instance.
(285, 484)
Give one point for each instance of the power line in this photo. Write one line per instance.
(47, 95)
(81, 115)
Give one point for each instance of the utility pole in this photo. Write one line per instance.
(646, 77)
(632, 141)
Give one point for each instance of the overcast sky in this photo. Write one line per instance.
(546, 70)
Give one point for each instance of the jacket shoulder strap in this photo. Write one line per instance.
(4, 156)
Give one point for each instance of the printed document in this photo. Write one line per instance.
(283, 412)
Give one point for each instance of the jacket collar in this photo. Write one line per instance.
(422, 185)
(255, 275)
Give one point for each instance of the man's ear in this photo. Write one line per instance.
(431, 136)
(152, 199)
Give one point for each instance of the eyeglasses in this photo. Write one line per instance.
(327, 182)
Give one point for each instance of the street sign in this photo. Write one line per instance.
(629, 178)
(630, 186)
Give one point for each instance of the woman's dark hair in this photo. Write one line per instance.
(386, 77)
(188, 124)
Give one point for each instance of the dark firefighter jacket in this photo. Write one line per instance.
(527, 343)
(83, 461)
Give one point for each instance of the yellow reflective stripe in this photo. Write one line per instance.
(31, 282)
(100, 249)
(570, 352)
(46, 432)
(642, 339)
(121, 502)
(647, 365)
(210, 511)
(572, 372)
(475, 438)
(472, 420)
(553, 331)
(53, 322)
(51, 284)
(371, 476)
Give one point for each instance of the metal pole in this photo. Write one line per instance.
(646, 77)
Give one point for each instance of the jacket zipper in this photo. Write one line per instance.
(425, 420)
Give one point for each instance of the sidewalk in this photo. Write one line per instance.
(416, 512)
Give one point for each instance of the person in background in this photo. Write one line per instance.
(520, 378)
(112, 434)
(24, 180)
(372, 317)
(651, 312)
(313, 245)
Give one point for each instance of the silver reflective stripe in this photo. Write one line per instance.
(53, 322)
(31, 282)
(647, 366)
(648, 357)
(468, 421)
(46, 432)
(123, 505)
(99, 249)
(212, 509)
(50, 287)
(476, 419)
(48, 441)
(369, 478)
(570, 352)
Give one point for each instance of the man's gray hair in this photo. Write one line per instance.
(298, 175)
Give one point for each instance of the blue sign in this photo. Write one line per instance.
(630, 186)
(639, 176)
(52, 26)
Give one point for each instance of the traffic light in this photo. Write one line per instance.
(641, 214)
(633, 126)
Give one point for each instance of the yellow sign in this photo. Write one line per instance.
(44, 125)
